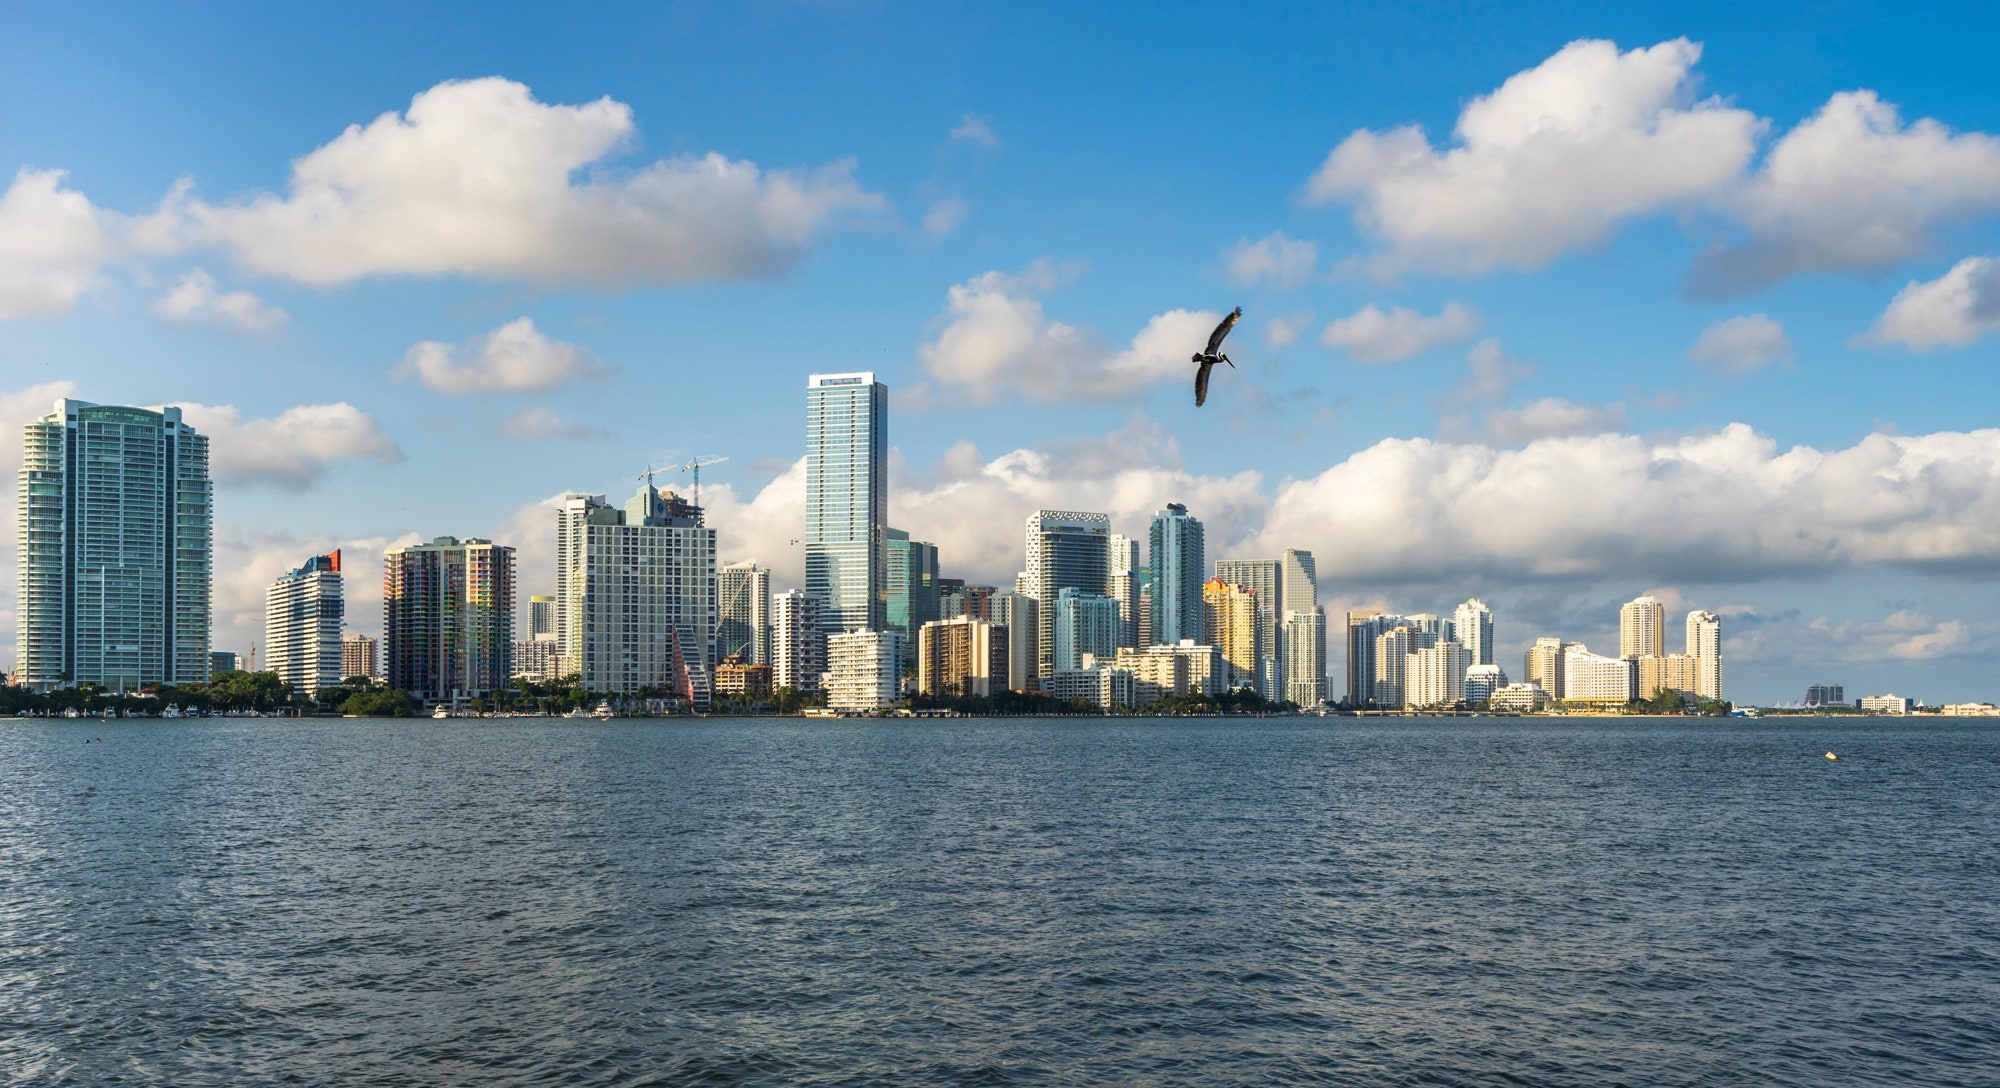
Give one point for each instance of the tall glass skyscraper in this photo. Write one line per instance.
(1180, 567)
(448, 618)
(911, 570)
(847, 499)
(1067, 549)
(115, 548)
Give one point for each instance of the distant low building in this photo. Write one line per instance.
(735, 677)
(1519, 698)
(540, 659)
(1481, 681)
(862, 670)
(1886, 704)
(221, 661)
(1826, 695)
(1100, 683)
(1969, 710)
(1588, 677)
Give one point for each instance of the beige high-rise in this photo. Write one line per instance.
(1642, 628)
(1235, 626)
(1704, 645)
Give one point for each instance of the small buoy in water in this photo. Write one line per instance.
(1830, 755)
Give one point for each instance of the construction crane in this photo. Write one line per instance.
(695, 466)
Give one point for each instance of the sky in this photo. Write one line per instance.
(1549, 307)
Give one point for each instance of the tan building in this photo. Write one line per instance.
(1235, 626)
(1674, 672)
(1642, 628)
(734, 677)
(961, 656)
(1969, 710)
(1543, 665)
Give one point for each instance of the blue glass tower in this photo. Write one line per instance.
(847, 499)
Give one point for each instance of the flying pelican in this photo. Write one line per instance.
(1208, 358)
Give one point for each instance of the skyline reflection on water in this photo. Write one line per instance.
(1000, 902)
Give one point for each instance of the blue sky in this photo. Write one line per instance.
(1017, 218)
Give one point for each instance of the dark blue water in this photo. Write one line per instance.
(996, 902)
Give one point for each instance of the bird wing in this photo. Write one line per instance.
(1201, 384)
(1222, 330)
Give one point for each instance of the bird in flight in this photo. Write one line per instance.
(1208, 358)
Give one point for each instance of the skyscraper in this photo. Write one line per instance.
(1364, 627)
(448, 618)
(303, 612)
(798, 645)
(1067, 549)
(570, 516)
(1124, 581)
(1542, 665)
(644, 587)
(911, 568)
(1020, 615)
(542, 617)
(1264, 578)
(743, 613)
(962, 656)
(1234, 620)
(1704, 645)
(1434, 675)
(1299, 578)
(1642, 627)
(115, 555)
(1298, 591)
(1085, 623)
(1179, 568)
(1473, 622)
(847, 499)
(1305, 641)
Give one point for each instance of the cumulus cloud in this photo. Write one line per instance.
(1952, 311)
(1852, 189)
(1285, 328)
(247, 562)
(516, 357)
(1550, 162)
(1490, 374)
(1726, 506)
(944, 217)
(291, 450)
(195, 298)
(997, 341)
(1551, 417)
(479, 178)
(1738, 345)
(974, 129)
(1370, 335)
(1903, 635)
(53, 242)
(539, 424)
(1273, 259)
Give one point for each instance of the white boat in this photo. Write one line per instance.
(442, 711)
(603, 710)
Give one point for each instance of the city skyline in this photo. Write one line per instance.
(1740, 413)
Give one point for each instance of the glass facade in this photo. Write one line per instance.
(115, 548)
(847, 499)
(1179, 565)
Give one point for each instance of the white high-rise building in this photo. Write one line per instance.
(743, 613)
(1365, 627)
(1481, 681)
(1473, 625)
(847, 499)
(1125, 566)
(642, 601)
(1391, 661)
(114, 550)
(1434, 676)
(1704, 645)
(542, 617)
(1067, 549)
(798, 645)
(1602, 679)
(1298, 591)
(863, 669)
(1305, 640)
(1542, 665)
(570, 516)
(303, 613)
(1642, 628)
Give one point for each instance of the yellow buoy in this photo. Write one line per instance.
(1830, 755)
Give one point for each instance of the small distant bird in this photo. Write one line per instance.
(1208, 358)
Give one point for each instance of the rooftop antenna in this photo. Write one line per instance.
(695, 466)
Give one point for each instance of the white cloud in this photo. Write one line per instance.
(1725, 506)
(52, 244)
(1852, 189)
(1952, 311)
(1738, 345)
(478, 178)
(291, 450)
(1490, 374)
(997, 341)
(1550, 162)
(1273, 259)
(1369, 335)
(539, 424)
(973, 129)
(195, 298)
(1551, 417)
(247, 562)
(1903, 635)
(944, 217)
(1285, 328)
(516, 357)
